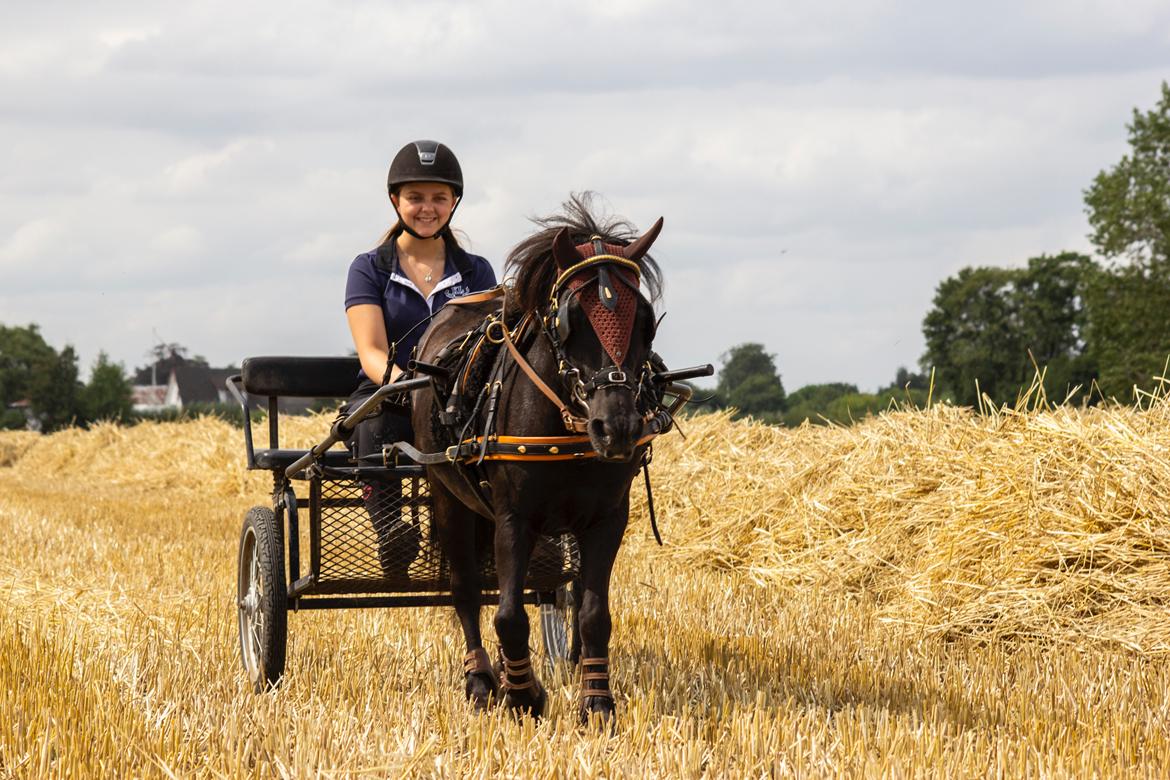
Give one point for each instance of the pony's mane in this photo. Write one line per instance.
(530, 265)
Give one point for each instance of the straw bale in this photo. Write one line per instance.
(13, 445)
(1044, 524)
(205, 454)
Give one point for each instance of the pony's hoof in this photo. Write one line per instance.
(481, 690)
(480, 682)
(598, 710)
(526, 702)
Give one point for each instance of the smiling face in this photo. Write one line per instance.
(424, 206)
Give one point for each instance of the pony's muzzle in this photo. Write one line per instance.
(615, 438)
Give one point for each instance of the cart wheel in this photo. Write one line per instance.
(556, 625)
(263, 599)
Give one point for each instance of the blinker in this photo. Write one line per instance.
(562, 325)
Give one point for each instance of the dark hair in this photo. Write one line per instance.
(532, 268)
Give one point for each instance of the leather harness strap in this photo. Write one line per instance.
(515, 673)
(529, 448)
(477, 662)
(572, 422)
(519, 448)
(487, 295)
(599, 675)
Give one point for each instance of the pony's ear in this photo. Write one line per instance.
(563, 250)
(640, 247)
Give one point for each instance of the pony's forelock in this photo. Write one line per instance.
(530, 265)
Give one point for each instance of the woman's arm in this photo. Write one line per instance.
(369, 338)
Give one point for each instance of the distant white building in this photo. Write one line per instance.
(187, 383)
(148, 398)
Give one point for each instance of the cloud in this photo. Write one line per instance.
(194, 171)
(211, 169)
(27, 243)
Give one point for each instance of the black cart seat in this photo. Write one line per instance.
(274, 378)
(301, 377)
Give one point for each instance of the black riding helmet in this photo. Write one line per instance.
(425, 161)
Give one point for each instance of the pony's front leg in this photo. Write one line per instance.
(599, 548)
(457, 526)
(521, 690)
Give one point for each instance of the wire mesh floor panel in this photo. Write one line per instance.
(377, 536)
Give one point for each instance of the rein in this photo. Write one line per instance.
(573, 423)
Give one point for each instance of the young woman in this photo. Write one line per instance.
(390, 294)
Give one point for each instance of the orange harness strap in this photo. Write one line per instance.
(529, 448)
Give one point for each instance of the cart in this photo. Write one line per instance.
(368, 527)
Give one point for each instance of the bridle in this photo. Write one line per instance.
(554, 326)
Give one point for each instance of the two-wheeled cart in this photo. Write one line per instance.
(369, 532)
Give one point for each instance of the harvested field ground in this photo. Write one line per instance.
(926, 594)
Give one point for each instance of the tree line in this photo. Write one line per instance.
(1094, 328)
(41, 386)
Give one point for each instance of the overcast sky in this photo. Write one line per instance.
(204, 172)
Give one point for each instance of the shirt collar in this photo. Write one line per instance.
(450, 277)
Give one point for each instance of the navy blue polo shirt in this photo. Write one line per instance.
(376, 277)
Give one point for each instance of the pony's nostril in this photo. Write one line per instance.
(598, 430)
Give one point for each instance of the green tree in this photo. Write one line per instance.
(843, 403)
(905, 379)
(32, 370)
(1129, 205)
(973, 334)
(1129, 211)
(107, 395)
(988, 325)
(1052, 297)
(749, 381)
(811, 402)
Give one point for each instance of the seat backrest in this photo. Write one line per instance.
(301, 377)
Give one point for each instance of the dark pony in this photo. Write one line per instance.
(599, 401)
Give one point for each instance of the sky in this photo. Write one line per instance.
(203, 173)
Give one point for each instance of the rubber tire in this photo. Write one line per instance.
(556, 626)
(262, 599)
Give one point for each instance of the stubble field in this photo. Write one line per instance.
(928, 593)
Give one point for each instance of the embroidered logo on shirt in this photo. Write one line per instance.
(457, 290)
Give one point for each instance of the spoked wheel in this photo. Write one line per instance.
(556, 623)
(262, 599)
